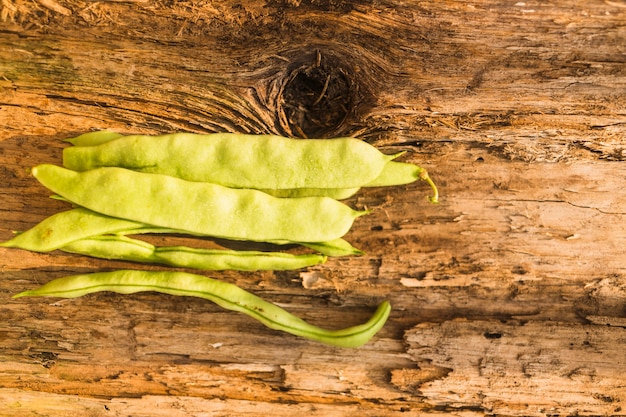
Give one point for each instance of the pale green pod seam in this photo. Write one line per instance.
(239, 160)
(204, 208)
(336, 193)
(127, 249)
(224, 294)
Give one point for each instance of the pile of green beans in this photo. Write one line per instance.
(258, 188)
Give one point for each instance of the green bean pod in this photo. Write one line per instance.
(335, 248)
(127, 249)
(94, 138)
(238, 160)
(64, 227)
(113, 247)
(398, 173)
(201, 208)
(392, 173)
(224, 294)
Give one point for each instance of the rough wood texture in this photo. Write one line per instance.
(509, 297)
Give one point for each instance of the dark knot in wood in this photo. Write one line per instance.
(322, 94)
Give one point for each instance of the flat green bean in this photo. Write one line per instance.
(392, 173)
(224, 294)
(204, 208)
(94, 138)
(239, 161)
(217, 259)
(113, 247)
(335, 248)
(64, 227)
(127, 249)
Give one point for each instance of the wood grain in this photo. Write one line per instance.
(509, 297)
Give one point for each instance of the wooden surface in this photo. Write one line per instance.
(509, 297)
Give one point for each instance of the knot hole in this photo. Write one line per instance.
(320, 96)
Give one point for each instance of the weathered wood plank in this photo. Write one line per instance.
(519, 368)
(508, 296)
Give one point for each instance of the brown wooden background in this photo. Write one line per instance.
(509, 296)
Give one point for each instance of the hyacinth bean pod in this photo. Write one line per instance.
(336, 247)
(94, 138)
(64, 227)
(224, 294)
(214, 259)
(127, 249)
(113, 247)
(392, 173)
(201, 208)
(239, 160)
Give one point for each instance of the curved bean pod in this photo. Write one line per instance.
(224, 294)
(127, 249)
(203, 208)
(238, 160)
